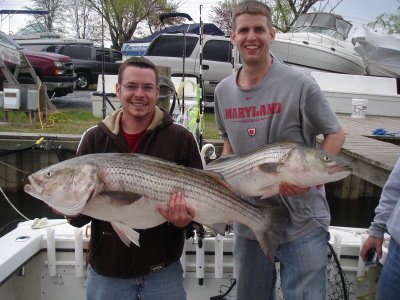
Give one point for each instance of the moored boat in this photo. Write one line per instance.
(319, 41)
(36, 37)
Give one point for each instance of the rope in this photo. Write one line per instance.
(381, 131)
(9, 202)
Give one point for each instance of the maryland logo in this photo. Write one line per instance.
(251, 131)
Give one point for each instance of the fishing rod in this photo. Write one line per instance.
(103, 84)
(49, 146)
(182, 15)
(200, 95)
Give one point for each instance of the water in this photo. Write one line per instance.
(29, 206)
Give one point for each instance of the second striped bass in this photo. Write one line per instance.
(259, 173)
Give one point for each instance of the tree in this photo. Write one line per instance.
(284, 12)
(83, 19)
(124, 16)
(388, 23)
(221, 14)
(56, 15)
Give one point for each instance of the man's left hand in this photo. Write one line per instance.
(289, 189)
(178, 213)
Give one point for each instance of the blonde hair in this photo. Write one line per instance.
(254, 8)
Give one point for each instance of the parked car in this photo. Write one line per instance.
(88, 62)
(56, 71)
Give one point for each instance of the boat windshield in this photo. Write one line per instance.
(324, 31)
(32, 28)
(324, 23)
(36, 31)
(5, 39)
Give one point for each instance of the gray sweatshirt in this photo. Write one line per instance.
(387, 213)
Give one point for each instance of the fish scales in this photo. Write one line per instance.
(267, 154)
(175, 178)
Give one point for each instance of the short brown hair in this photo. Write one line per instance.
(254, 8)
(137, 61)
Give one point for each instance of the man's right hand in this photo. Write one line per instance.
(371, 243)
(60, 213)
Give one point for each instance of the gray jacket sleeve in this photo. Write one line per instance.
(387, 213)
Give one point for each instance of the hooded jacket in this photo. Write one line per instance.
(161, 245)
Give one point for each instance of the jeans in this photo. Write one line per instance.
(303, 268)
(389, 280)
(166, 284)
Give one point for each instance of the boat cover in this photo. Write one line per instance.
(380, 52)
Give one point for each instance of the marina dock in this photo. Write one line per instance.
(372, 156)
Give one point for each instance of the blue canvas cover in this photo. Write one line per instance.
(209, 28)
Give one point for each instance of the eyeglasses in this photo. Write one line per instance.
(133, 87)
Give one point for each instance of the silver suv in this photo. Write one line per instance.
(168, 50)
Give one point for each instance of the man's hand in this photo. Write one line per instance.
(371, 243)
(289, 189)
(60, 213)
(178, 213)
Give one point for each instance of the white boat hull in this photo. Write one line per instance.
(50, 264)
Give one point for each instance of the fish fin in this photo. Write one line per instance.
(276, 217)
(126, 234)
(222, 158)
(219, 178)
(121, 198)
(270, 167)
(218, 228)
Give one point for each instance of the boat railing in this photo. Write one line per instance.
(203, 259)
(195, 252)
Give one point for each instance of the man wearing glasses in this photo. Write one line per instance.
(153, 270)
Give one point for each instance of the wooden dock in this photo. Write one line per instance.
(372, 157)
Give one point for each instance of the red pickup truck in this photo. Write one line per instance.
(55, 70)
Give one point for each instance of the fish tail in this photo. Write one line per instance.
(275, 220)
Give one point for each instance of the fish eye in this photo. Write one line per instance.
(326, 158)
(48, 173)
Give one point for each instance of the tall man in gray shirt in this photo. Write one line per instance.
(266, 102)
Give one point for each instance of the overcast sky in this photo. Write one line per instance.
(357, 11)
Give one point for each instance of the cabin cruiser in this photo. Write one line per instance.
(36, 37)
(319, 41)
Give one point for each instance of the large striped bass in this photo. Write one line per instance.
(259, 173)
(125, 190)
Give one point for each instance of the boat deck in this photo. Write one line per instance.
(48, 262)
